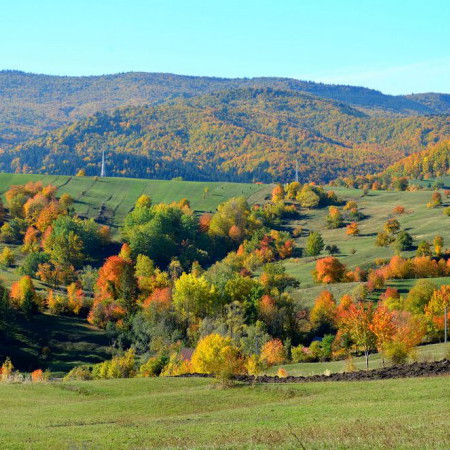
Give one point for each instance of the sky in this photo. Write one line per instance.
(396, 46)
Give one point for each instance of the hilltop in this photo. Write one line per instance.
(236, 135)
(32, 104)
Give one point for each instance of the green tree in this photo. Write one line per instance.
(314, 244)
(403, 241)
(424, 249)
(28, 306)
(193, 296)
(307, 197)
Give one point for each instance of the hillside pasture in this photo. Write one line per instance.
(377, 207)
(109, 200)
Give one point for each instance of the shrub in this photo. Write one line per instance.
(397, 352)
(7, 369)
(7, 257)
(282, 373)
(117, 367)
(79, 373)
(39, 375)
(153, 366)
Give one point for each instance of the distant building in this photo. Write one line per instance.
(186, 353)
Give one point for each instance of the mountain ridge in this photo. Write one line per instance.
(32, 104)
(244, 134)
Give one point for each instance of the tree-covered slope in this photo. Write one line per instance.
(31, 104)
(432, 162)
(240, 135)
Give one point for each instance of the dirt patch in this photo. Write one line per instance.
(418, 369)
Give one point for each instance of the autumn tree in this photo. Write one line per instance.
(419, 296)
(193, 296)
(329, 270)
(216, 355)
(307, 197)
(436, 200)
(277, 193)
(323, 314)
(382, 326)
(272, 352)
(356, 320)
(352, 229)
(144, 201)
(392, 226)
(437, 308)
(334, 218)
(438, 244)
(424, 249)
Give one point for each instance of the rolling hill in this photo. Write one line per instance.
(31, 104)
(109, 200)
(236, 135)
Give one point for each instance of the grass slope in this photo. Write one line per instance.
(421, 222)
(110, 199)
(56, 343)
(161, 412)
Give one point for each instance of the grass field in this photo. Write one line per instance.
(433, 352)
(421, 222)
(115, 197)
(171, 412)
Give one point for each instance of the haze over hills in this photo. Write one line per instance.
(242, 134)
(31, 104)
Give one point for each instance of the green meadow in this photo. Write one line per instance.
(421, 222)
(111, 199)
(197, 413)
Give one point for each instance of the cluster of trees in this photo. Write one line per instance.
(176, 275)
(393, 327)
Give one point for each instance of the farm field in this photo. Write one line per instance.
(176, 412)
(431, 352)
(421, 222)
(110, 199)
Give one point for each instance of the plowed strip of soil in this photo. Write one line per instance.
(418, 369)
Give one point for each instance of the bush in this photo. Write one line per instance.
(79, 373)
(7, 257)
(153, 366)
(397, 352)
(118, 367)
(300, 354)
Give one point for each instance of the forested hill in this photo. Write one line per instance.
(240, 135)
(31, 104)
(432, 162)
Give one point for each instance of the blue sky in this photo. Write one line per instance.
(397, 46)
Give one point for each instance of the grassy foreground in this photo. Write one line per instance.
(161, 412)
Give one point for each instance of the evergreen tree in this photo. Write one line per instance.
(28, 305)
